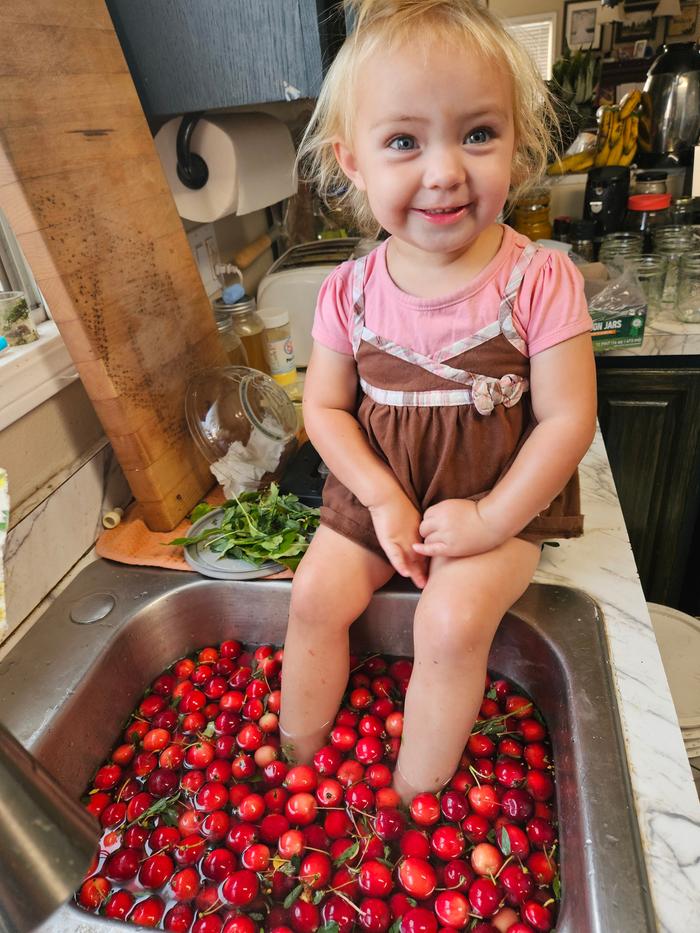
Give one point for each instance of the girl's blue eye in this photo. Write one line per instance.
(479, 136)
(402, 143)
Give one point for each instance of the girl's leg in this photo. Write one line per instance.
(332, 587)
(456, 619)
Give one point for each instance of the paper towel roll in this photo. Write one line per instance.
(250, 157)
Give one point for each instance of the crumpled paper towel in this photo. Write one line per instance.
(243, 465)
(4, 525)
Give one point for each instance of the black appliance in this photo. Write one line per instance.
(305, 476)
(605, 199)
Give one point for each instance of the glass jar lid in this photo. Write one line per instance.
(246, 303)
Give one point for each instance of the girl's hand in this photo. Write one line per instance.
(456, 528)
(396, 523)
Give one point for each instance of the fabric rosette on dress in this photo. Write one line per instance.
(488, 392)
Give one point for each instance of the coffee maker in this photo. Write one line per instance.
(605, 198)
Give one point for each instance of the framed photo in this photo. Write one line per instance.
(640, 47)
(582, 24)
(639, 23)
(685, 25)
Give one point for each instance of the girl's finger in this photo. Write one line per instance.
(433, 549)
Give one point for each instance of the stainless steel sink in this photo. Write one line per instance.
(67, 689)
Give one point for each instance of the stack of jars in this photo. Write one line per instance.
(679, 246)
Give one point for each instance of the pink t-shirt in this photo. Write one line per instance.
(550, 306)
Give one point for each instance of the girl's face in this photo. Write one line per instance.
(432, 145)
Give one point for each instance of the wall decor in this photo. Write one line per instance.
(684, 26)
(582, 24)
(639, 23)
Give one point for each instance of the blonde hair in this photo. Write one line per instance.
(388, 23)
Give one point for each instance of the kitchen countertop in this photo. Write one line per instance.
(601, 564)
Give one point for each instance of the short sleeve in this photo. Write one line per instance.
(334, 310)
(551, 305)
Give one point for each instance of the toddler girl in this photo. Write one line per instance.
(471, 351)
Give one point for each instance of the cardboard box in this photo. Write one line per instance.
(614, 329)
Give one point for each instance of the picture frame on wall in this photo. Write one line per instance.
(639, 23)
(684, 26)
(582, 27)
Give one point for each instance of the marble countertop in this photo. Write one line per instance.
(664, 335)
(601, 564)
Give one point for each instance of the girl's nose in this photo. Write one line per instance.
(444, 167)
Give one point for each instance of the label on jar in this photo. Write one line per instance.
(280, 354)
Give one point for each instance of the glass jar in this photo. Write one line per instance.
(561, 227)
(531, 215)
(231, 342)
(16, 324)
(617, 247)
(682, 211)
(672, 242)
(249, 326)
(279, 347)
(687, 308)
(651, 272)
(650, 183)
(581, 233)
(644, 212)
(243, 424)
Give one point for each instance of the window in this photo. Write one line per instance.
(536, 33)
(15, 274)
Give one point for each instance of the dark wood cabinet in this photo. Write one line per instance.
(190, 55)
(649, 413)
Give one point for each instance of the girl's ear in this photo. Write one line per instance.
(348, 163)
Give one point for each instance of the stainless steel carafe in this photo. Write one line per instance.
(670, 122)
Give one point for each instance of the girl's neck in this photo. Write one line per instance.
(432, 275)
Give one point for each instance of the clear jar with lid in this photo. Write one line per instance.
(682, 211)
(581, 234)
(279, 347)
(249, 326)
(672, 242)
(617, 247)
(687, 307)
(531, 215)
(644, 212)
(231, 342)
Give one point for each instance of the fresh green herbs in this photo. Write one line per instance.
(257, 527)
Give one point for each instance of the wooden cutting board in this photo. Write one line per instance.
(82, 187)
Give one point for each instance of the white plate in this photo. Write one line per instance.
(678, 637)
(209, 564)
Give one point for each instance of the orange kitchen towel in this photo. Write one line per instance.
(132, 542)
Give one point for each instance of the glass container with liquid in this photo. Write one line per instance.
(249, 326)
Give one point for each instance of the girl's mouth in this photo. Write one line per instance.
(444, 215)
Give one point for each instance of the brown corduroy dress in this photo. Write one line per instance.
(448, 425)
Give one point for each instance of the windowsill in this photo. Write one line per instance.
(31, 374)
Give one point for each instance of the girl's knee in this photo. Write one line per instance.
(453, 633)
(315, 605)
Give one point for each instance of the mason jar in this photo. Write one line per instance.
(617, 247)
(687, 308)
(672, 242)
(651, 272)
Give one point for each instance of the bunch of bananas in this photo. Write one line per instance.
(618, 128)
(616, 141)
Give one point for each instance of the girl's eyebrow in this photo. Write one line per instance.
(496, 111)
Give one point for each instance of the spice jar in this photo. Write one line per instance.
(651, 272)
(279, 347)
(231, 342)
(16, 324)
(645, 211)
(581, 233)
(561, 227)
(531, 216)
(687, 308)
(249, 326)
(672, 242)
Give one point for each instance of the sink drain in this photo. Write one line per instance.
(92, 608)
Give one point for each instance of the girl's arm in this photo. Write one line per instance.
(330, 397)
(562, 386)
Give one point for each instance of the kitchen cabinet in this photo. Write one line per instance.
(649, 414)
(187, 56)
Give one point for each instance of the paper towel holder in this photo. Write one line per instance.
(191, 168)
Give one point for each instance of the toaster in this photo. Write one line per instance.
(293, 282)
